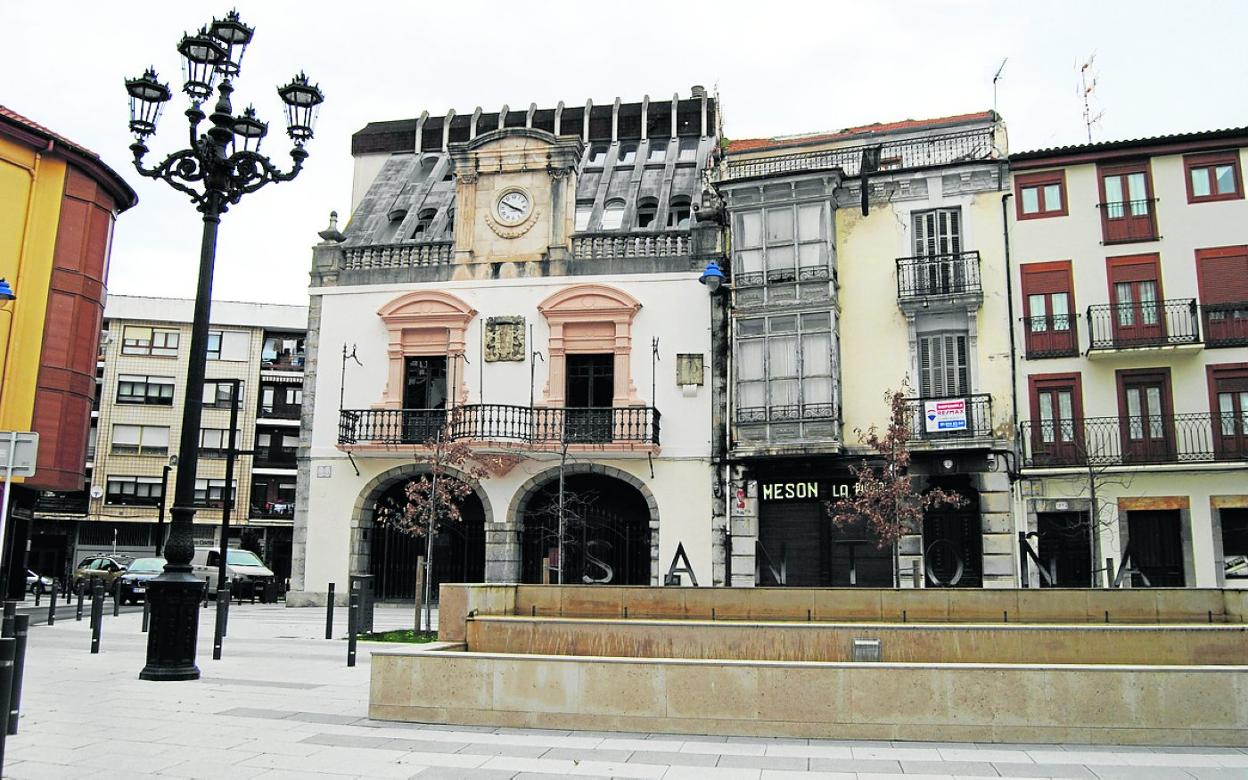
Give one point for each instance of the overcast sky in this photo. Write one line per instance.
(779, 68)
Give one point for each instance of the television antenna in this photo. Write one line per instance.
(1087, 86)
(995, 78)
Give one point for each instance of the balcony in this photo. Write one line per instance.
(540, 428)
(950, 418)
(408, 255)
(613, 244)
(1127, 441)
(1143, 325)
(273, 510)
(1225, 324)
(952, 277)
(1051, 337)
(1125, 222)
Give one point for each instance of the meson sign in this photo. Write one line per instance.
(807, 490)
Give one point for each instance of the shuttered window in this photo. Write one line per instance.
(1222, 275)
(937, 232)
(943, 367)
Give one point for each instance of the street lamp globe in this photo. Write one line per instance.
(147, 99)
(250, 130)
(302, 101)
(235, 36)
(202, 58)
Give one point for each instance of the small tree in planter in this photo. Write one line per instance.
(432, 500)
(885, 499)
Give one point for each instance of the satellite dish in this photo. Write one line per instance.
(97, 491)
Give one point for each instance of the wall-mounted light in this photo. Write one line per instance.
(712, 276)
(6, 293)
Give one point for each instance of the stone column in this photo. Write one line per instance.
(502, 552)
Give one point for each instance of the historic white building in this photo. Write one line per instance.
(530, 277)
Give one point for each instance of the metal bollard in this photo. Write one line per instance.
(38, 594)
(97, 617)
(116, 597)
(10, 611)
(52, 606)
(223, 606)
(352, 610)
(147, 612)
(82, 592)
(8, 648)
(21, 629)
(207, 585)
(329, 613)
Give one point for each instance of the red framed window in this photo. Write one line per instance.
(1228, 402)
(1049, 310)
(1222, 276)
(1135, 300)
(1039, 195)
(1057, 427)
(1146, 415)
(1127, 201)
(1213, 176)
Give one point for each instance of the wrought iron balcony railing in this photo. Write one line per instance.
(1128, 220)
(932, 150)
(593, 246)
(536, 426)
(411, 255)
(1225, 324)
(931, 276)
(1115, 441)
(1141, 324)
(1050, 337)
(270, 509)
(950, 417)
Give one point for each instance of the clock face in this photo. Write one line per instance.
(513, 207)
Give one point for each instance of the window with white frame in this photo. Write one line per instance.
(229, 345)
(218, 393)
(784, 367)
(584, 210)
(136, 389)
(211, 492)
(141, 340)
(781, 244)
(613, 215)
(140, 440)
(215, 442)
(944, 369)
(142, 491)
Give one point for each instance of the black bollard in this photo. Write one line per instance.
(21, 628)
(223, 604)
(52, 605)
(97, 617)
(116, 598)
(207, 585)
(38, 593)
(147, 612)
(329, 613)
(82, 592)
(10, 611)
(8, 647)
(352, 610)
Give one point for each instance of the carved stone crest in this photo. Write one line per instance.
(504, 339)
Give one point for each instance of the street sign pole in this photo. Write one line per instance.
(23, 466)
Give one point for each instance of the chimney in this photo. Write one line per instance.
(697, 91)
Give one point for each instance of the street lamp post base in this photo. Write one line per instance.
(175, 606)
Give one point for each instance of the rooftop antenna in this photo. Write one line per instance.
(995, 78)
(1087, 85)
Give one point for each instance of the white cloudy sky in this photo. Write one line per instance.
(780, 68)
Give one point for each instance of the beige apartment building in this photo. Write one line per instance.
(132, 454)
(1131, 276)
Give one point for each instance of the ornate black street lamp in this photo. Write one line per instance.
(221, 165)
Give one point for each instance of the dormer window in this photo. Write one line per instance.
(584, 210)
(613, 215)
(658, 152)
(688, 150)
(628, 154)
(597, 155)
(449, 229)
(427, 165)
(678, 213)
(423, 220)
(647, 212)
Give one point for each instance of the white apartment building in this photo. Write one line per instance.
(132, 455)
(1131, 276)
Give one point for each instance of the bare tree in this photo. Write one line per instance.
(885, 499)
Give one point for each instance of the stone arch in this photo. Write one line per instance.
(362, 512)
(519, 502)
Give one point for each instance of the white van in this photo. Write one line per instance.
(240, 565)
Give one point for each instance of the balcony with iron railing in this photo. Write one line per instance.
(504, 425)
(1125, 441)
(927, 279)
(949, 419)
(1225, 324)
(1051, 336)
(928, 151)
(1170, 323)
(1128, 221)
(273, 510)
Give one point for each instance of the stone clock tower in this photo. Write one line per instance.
(516, 191)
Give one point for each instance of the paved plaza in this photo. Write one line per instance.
(283, 704)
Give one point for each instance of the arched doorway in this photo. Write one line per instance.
(390, 554)
(607, 535)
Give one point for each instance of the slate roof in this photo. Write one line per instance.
(742, 145)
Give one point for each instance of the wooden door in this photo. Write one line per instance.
(1135, 298)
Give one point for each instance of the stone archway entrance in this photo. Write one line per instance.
(390, 554)
(610, 529)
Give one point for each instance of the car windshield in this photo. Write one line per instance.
(148, 565)
(243, 558)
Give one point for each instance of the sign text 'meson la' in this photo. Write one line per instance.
(805, 490)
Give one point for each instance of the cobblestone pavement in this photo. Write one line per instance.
(283, 704)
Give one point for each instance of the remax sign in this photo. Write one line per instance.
(947, 415)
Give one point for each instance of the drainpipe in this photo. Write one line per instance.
(1009, 307)
(33, 173)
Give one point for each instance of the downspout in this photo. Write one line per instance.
(1009, 308)
(33, 173)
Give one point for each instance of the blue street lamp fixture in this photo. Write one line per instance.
(221, 165)
(712, 277)
(6, 292)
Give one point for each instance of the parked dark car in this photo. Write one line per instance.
(100, 568)
(36, 583)
(133, 588)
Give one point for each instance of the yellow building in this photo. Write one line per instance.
(58, 202)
